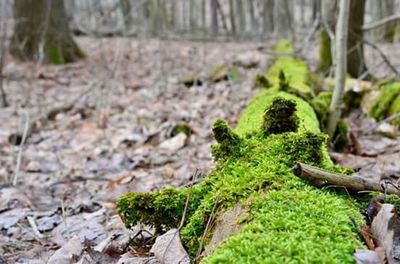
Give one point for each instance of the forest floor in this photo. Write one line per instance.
(111, 134)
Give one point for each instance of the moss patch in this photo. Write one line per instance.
(280, 117)
(382, 106)
(288, 221)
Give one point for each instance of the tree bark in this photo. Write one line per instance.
(214, 17)
(41, 32)
(282, 19)
(126, 13)
(328, 10)
(340, 69)
(268, 16)
(355, 55)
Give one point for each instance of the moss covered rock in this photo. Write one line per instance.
(284, 219)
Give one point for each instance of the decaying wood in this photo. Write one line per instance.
(386, 230)
(319, 177)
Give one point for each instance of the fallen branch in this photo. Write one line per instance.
(319, 177)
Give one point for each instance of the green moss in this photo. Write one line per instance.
(284, 46)
(295, 71)
(280, 117)
(325, 55)
(285, 212)
(380, 109)
(261, 81)
(321, 105)
(180, 128)
(252, 118)
(229, 142)
(55, 55)
(394, 109)
(287, 220)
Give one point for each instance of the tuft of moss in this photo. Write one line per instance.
(280, 117)
(261, 81)
(180, 128)
(228, 141)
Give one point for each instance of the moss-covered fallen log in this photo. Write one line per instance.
(282, 219)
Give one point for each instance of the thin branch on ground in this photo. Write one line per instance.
(21, 147)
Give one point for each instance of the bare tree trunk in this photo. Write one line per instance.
(282, 19)
(254, 24)
(214, 17)
(241, 19)
(328, 10)
(268, 16)
(41, 32)
(232, 17)
(355, 56)
(126, 13)
(340, 70)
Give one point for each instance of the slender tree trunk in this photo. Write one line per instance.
(126, 13)
(241, 19)
(214, 17)
(281, 18)
(254, 25)
(355, 56)
(340, 70)
(232, 17)
(328, 10)
(42, 33)
(268, 16)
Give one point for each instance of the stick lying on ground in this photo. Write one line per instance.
(319, 177)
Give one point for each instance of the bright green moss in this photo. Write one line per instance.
(380, 109)
(229, 143)
(272, 236)
(252, 118)
(295, 71)
(321, 106)
(288, 221)
(394, 109)
(284, 46)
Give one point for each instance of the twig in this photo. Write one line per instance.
(189, 196)
(21, 146)
(314, 29)
(203, 237)
(34, 227)
(386, 120)
(381, 22)
(320, 178)
(387, 61)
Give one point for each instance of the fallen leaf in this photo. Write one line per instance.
(168, 249)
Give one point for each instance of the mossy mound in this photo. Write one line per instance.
(285, 220)
(387, 103)
(287, 73)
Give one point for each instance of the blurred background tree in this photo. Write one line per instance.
(41, 32)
